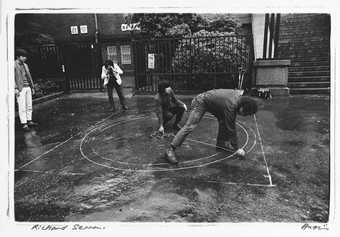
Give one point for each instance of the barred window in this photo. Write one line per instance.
(125, 52)
(112, 53)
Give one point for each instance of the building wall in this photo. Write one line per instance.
(258, 23)
(110, 24)
(58, 26)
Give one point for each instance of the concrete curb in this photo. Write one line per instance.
(47, 97)
(43, 99)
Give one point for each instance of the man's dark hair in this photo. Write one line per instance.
(248, 104)
(20, 52)
(108, 63)
(162, 86)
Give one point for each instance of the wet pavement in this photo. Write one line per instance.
(85, 163)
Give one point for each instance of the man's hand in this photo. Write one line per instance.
(161, 129)
(185, 107)
(33, 91)
(241, 153)
(16, 92)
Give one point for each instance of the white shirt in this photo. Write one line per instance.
(117, 71)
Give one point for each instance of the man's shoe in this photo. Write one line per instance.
(25, 127)
(170, 156)
(31, 123)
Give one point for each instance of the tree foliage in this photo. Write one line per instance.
(169, 24)
(211, 52)
(174, 24)
(30, 32)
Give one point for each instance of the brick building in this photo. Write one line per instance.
(304, 39)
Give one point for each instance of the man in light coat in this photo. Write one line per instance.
(111, 75)
(24, 89)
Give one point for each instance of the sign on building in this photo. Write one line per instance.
(151, 61)
(74, 30)
(130, 27)
(83, 29)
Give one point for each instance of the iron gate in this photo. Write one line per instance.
(76, 65)
(45, 65)
(81, 66)
(193, 63)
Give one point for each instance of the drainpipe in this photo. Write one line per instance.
(96, 29)
(98, 51)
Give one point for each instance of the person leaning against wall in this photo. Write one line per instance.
(24, 89)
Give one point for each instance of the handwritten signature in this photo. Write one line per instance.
(315, 227)
(50, 227)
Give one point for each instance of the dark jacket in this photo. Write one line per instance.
(224, 103)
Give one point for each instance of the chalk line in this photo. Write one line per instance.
(46, 152)
(148, 170)
(264, 155)
(240, 184)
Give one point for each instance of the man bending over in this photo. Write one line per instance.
(224, 104)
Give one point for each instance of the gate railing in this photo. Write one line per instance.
(193, 63)
(73, 65)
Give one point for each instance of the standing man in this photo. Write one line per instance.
(111, 75)
(24, 89)
(224, 104)
(168, 106)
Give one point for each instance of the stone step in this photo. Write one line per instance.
(308, 73)
(299, 24)
(311, 20)
(309, 23)
(304, 49)
(308, 84)
(309, 58)
(295, 63)
(308, 69)
(304, 40)
(309, 29)
(303, 29)
(297, 36)
(299, 56)
(303, 43)
(309, 90)
(308, 78)
(302, 16)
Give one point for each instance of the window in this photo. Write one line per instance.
(83, 29)
(74, 30)
(112, 53)
(125, 53)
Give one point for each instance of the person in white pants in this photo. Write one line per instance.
(24, 89)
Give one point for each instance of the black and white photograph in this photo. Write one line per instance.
(191, 117)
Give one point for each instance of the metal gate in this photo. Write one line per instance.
(75, 66)
(81, 66)
(193, 63)
(45, 65)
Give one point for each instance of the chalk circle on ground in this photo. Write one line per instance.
(125, 144)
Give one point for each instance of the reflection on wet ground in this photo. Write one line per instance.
(84, 163)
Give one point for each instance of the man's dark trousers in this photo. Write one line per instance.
(118, 88)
